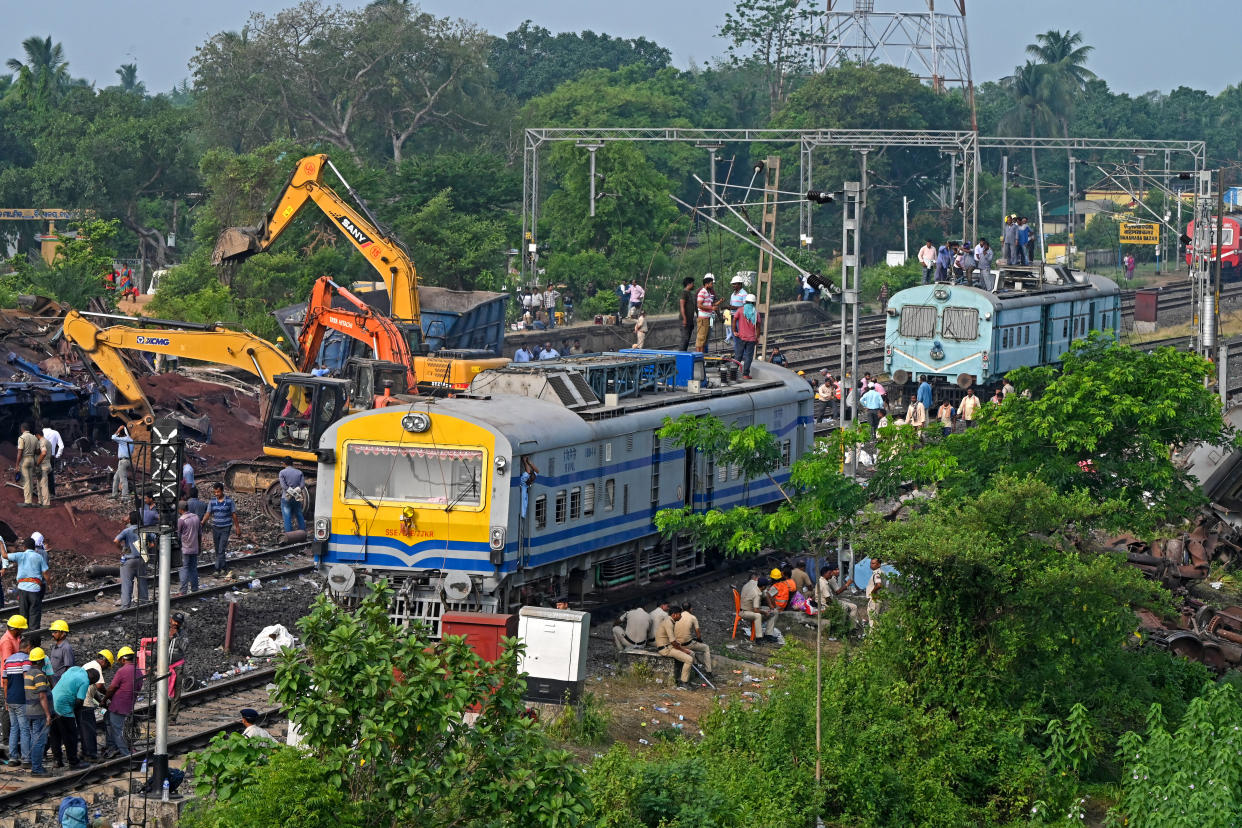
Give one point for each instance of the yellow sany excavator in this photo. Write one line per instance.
(296, 410)
(385, 253)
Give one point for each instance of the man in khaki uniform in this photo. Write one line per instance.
(686, 631)
(45, 473)
(666, 645)
(800, 578)
(27, 459)
(828, 590)
(753, 612)
(631, 629)
(875, 592)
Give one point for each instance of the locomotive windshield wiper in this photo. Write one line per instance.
(349, 484)
(467, 490)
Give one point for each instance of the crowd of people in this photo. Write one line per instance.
(544, 308)
(673, 631)
(53, 703)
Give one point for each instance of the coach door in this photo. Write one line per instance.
(1045, 333)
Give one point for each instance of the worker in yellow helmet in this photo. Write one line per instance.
(87, 729)
(61, 652)
(10, 643)
(38, 720)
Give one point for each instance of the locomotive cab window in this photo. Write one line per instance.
(961, 324)
(449, 477)
(918, 321)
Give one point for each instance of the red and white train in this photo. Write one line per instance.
(1230, 256)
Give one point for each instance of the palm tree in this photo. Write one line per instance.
(1064, 58)
(1035, 94)
(45, 73)
(128, 74)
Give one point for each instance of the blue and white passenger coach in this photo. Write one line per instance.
(437, 495)
(971, 336)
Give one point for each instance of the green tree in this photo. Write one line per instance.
(381, 714)
(1103, 424)
(128, 74)
(45, 73)
(1188, 776)
(76, 274)
(1036, 100)
(453, 249)
(531, 61)
(775, 36)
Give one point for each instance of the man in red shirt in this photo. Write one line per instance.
(705, 308)
(121, 693)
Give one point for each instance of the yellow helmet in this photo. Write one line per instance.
(59, 626)
(37, 655)
(775, 574)
(124, 651)
(18, 622)
(107, 654)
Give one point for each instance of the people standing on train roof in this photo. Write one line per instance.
(747, 334)
(970, 404)
(1024, 241)
(706, 305)
(968, 263)
(632, 629)
(1009, 240)
(925, 392)
(927, 258)
(944, 262)
(686, 312)
(984, 256)
(736, 299)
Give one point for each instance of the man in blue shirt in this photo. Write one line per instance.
(124, 451)
(223, 515)
(1024, 241)
(944, 261)
(521, 354)
(67, 696)
(31, 582)
(873, 402)
(293, 494)
(133, 567)
(13, 673)
(925, 394)
(187, 478)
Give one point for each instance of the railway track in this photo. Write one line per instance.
(204, 713)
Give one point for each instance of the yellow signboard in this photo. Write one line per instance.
(1132, 233)
(40, 214)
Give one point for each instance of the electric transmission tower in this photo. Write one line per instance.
(931, 44)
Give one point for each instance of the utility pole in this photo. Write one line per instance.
(767, 226)
(1073, 211)
(591, 148)
(1004, 186)
(166, 456)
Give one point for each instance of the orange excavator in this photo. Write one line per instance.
(373, 378)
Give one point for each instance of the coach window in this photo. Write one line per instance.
(610, 494)
(588, 500)
(1064, 328)
(541, 511)
(961, 324)
(560, 506)
(575, 503)
(918, 321)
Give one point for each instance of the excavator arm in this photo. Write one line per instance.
(361, 322)
(131, 402)
(238, 349)
(306, 185)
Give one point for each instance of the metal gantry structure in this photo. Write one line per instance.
(962, 147)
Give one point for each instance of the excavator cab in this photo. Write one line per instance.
(373, 379)
(299, 409)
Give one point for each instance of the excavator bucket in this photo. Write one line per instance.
(235, 244)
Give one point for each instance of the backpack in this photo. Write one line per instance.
(72, 813)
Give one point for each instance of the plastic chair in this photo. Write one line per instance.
(737, 614)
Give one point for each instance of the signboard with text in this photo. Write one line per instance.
(1132, 233)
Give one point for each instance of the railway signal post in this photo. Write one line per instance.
(167, 448)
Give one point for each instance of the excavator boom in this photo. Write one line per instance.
(306, 185)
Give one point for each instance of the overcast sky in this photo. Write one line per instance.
(1140, 45)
